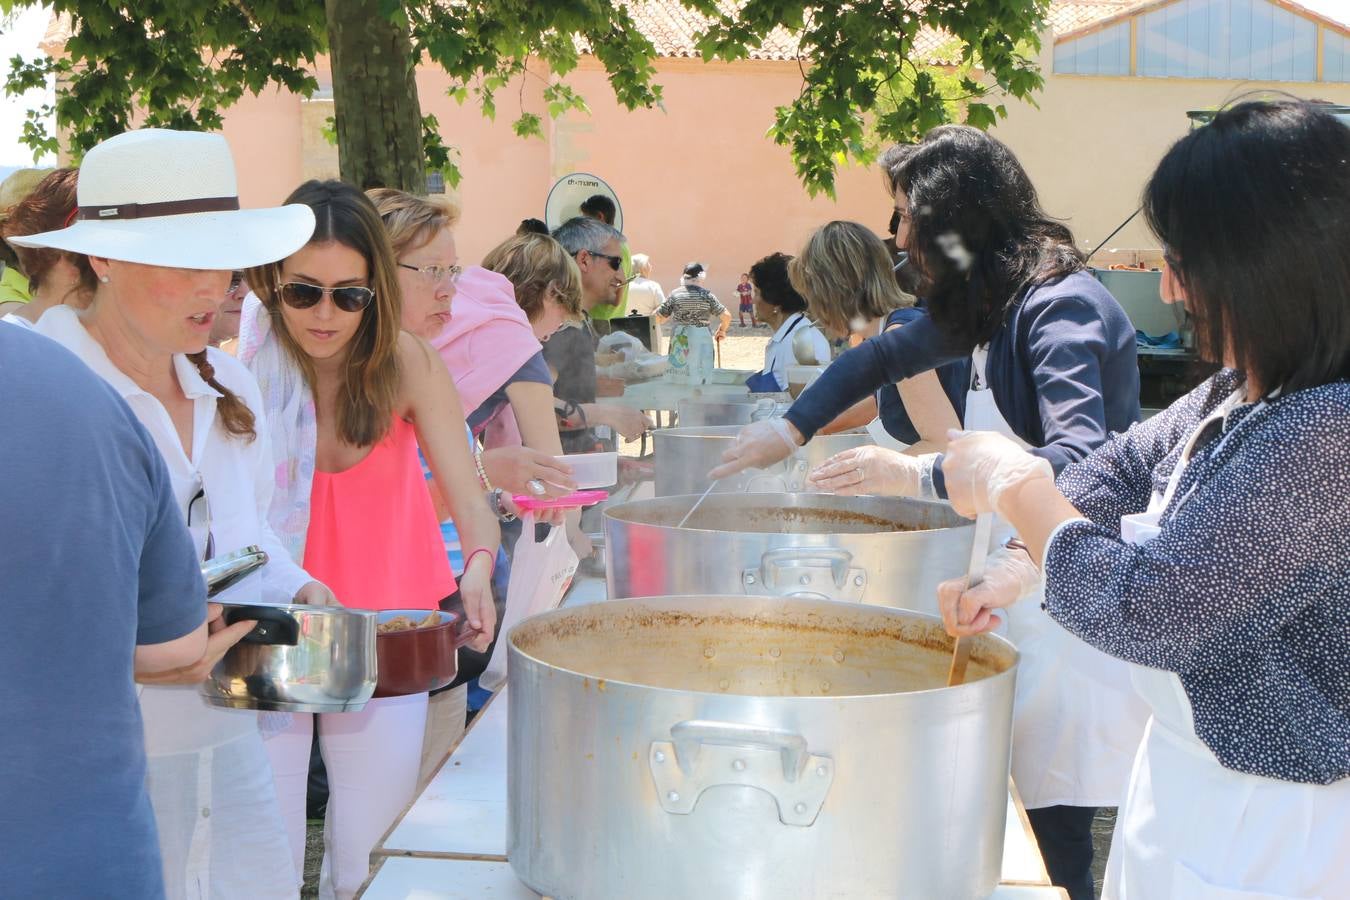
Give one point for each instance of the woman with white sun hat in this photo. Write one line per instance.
(158, 218)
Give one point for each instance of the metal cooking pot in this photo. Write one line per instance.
(885, 551)
(684, 457)
(733, 747)
(297, 658)
(697, 412)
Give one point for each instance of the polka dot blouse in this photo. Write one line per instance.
(1245, 593)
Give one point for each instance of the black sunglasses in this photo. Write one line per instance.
(298, 295)
(615, 262)
(199, 517)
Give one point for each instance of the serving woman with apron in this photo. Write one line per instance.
(779, 306)
(1056, 368)
(1208, 547)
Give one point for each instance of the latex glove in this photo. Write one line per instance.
(513, 468)
(1009, 575)
(221, 638)
(758, 445)
(315, 593)
(475, 587)
(874, 470)
(980, 467)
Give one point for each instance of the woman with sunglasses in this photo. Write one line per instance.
(154, 241)
(1053, 365)
(352, 397)
(1209, 547)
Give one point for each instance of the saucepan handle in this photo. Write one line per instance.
(454, 605)
(275, 627)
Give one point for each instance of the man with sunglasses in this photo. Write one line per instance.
(570, 352)
(603, 209)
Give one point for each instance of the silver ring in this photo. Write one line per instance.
(536, 486)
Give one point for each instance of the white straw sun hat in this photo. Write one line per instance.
(169, 198)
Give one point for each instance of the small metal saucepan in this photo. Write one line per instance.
(298, 658)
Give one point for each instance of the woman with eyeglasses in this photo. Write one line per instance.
(1209, 547)
(225, 331)
(1052, 364)
(154, 242)
(496, 362)
(352, 397)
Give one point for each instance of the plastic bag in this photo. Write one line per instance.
(541, 572)
(622, 343)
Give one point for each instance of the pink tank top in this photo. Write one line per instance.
(373, 535)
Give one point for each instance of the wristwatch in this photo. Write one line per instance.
(494, 498)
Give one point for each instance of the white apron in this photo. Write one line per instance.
(875, 429)
(1077, 721)
(1190, 828)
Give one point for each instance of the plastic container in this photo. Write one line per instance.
(592, 470)
(570, 501)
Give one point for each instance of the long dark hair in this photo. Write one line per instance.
(977, 231)
(1254, 209)
(370, 375)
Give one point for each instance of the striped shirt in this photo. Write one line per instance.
(690, 304)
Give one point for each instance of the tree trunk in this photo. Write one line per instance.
(379, 119)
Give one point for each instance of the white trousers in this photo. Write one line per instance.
(372, 757)
(221, 834)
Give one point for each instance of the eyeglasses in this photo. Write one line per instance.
(299, 295)
(199, 518)
(434, 274)
(236, 279)
(615, 262)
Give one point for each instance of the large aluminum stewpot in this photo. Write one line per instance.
(885, 551)
(735, 749)
(297, 658)
(696, 412)
(684, 456)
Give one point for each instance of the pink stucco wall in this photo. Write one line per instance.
(697, 181)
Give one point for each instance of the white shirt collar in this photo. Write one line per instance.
(790, 324)
(62, 324)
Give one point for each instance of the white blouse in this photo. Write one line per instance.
(236, 476)
(778, 354)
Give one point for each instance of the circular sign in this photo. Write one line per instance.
(570, 191)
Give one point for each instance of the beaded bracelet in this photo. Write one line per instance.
(492, 559)
(482, 472)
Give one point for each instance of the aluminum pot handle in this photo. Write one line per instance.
(822, 573)
(703, 754)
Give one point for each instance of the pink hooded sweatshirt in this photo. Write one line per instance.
(488, 337)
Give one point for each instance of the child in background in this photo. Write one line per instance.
(744, 291)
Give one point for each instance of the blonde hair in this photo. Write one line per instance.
(532, 262)
(370, 374)
(845, 274)
(412, 221)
